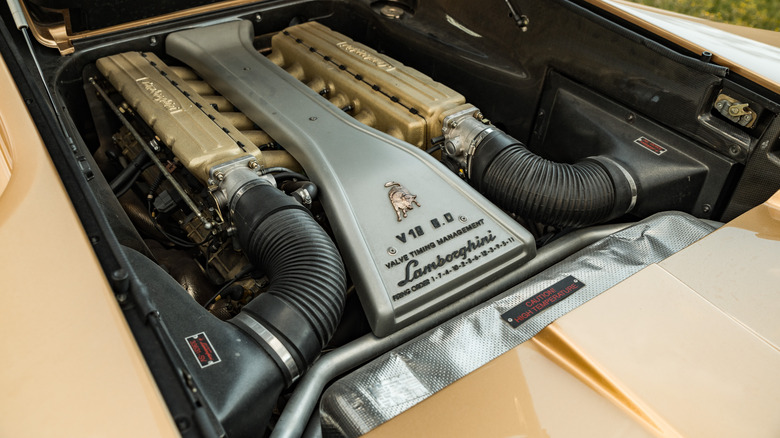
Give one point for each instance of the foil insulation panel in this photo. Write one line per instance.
(404, 377)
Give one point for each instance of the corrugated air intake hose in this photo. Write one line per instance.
(593, 190)
(239, 368)
(306, 293)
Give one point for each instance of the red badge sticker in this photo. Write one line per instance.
(541, 301)
(650, 145)
(202, 349)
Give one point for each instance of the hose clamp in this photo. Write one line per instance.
(274, 346)
(628, 178)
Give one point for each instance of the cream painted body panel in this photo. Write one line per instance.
(72, 367)
(753, 59)
(686, 347)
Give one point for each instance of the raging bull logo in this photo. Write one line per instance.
(401, 198)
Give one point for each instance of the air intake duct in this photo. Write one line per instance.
(593, 190)
(306, 294)
(240, 367)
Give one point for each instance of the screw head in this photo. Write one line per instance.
(463, 219)
(392, 251)
(392, 12)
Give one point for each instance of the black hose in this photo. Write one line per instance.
(296, 189)
(282, 176)
(277, 335)
(559, 194)
(129, 174)
(243, 273)
(307, 280)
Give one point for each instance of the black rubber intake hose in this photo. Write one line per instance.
(129, 174)
(307, 289)
(565, 195)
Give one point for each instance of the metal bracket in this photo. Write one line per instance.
(736, 111)
(521, 20)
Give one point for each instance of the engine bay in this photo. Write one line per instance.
(293, 178)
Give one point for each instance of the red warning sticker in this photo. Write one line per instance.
(650, 145)
(202, 349)
(541, 301)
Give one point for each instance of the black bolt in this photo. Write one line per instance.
(183, 423)
(119, 275)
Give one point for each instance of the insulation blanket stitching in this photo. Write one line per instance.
(403, 377)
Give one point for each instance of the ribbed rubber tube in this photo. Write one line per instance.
(306, 294)
(540, 190)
